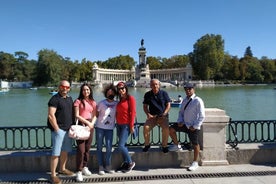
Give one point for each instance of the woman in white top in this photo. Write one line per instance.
(105, 124)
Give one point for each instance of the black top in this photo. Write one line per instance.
(64, 112)
(157, 102)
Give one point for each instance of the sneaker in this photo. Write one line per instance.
(175, 147)
(129, 168)
(101, 170)
(66, 172)
(55, 180)
(146, 148)
(79, 177)
(193, 167)
(109, 170)
(123, 167)
(86, 172)
(165, 149)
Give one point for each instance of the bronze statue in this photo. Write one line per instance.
(142, 42)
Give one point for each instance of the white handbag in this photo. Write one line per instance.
(79, 132)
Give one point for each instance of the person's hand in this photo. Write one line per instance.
(132, 130)
(149, 116)
(164, 114)
(91, 125)
(192, 129)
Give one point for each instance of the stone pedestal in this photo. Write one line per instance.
(214, 137)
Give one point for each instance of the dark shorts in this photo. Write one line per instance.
(193, 136)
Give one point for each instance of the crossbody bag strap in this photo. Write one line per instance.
(187, 103)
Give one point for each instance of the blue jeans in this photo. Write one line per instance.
(123, 133)
(102, 134)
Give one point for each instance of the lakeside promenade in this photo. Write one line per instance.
(232, 174)
(250, 164)
(219, 162)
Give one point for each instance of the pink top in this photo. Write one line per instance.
(126, 111)
(85, 111)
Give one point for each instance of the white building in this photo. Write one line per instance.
(141, 75)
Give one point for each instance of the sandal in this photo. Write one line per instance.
(55, 180)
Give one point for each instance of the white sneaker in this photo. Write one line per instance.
(101, 170)
(86, 172)
(175, 147)
(109, 170)
(79, 177)
(193, 167)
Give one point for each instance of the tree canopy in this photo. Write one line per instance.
(208, 59)
(208, 56)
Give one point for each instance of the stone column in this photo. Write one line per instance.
(214, 137)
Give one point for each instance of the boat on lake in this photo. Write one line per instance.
(34, 88)
(53, 92)
(176, 103)
(4, 90)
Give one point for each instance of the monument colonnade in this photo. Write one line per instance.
(101, 75)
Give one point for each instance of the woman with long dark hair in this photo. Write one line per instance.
(125, 118)
(85, 113)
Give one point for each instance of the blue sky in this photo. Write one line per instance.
(100, 29)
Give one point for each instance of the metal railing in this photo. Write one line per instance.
(39, 137)
(256, 131)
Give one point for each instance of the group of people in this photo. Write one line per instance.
(120, 112)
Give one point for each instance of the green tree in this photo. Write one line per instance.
(49, 68)
(230, 68)
(68, 67)
(269, 69)
(208, 55)
(28, 68)
(85, 70)
(7, 66)
(21, 56)
(180, 61)
(154, 63)
(120, 62)
(251, 69)
(24, 68)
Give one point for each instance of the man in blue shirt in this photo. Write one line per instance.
(190, 119)
(156, 106)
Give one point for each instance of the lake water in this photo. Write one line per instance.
(24, 107)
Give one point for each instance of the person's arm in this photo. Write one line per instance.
(132, 103)
(146, 110)
(52, 118)
(168, 103)
(201, 114)
(94, 115)
(180, 119)
(168, 107)
(80, 118)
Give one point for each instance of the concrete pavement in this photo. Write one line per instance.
(234, 174)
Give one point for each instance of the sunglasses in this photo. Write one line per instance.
(64, 87)
(121, 88)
